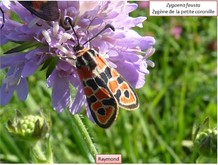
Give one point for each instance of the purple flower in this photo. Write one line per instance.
(123, 48)
(143, 4)
(176, 31)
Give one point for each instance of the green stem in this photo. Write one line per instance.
(86, 135)
(38, 151)
(39, 156)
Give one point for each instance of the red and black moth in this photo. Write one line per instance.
(47, 10)
(105, 89)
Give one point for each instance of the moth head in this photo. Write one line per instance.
(79, 46)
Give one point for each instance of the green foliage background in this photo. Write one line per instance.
(180, 92)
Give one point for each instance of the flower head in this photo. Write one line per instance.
(30, 127)
(205, 139)
(122, 48)
(206, 142)
(143, 4)
(176, 31)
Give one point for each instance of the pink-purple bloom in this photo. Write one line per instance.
(143, 4)
(176, 31)
(122, 48)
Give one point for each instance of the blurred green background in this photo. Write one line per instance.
(179, 93)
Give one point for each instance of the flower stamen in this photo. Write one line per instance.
(46, 36)
(55, 28)
(64, 38)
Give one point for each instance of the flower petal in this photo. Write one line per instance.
(130, 73)
(29, 68)
(78, 102)
(51, 79)
(11, 60)
(60, 93)
(22, 89)
(6, 94)
(88, 112)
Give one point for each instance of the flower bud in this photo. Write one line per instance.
(206, 142)
(31, 127)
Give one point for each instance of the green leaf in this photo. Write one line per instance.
(46, 63)
(22, 47)
(51, 66)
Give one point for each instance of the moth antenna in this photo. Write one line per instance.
(68, 19)
(106, 27)
(3, 18)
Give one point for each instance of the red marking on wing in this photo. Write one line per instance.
(37, 5)
(96, 106)
(88, 91)
(102, 94)
(109, 112)
(84, 73)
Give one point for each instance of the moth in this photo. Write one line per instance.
(46, 10)
(105, 89)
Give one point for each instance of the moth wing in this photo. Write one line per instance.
(125, 95)
(119, 87)
(103, 105)
(47, 10)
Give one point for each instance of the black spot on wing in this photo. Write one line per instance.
(91, 83)
(104, 77)
(108, 72)
(110, 101)
(101, 111)
(100, 82)
(92, 99)
(118, 94)
(126, 93)
(119, 80)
